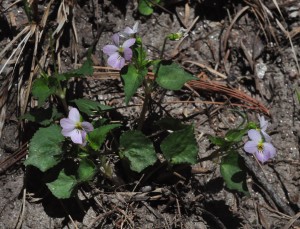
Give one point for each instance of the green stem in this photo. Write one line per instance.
(163, 48)
(65, 105)
(145, 106)
(61, 94)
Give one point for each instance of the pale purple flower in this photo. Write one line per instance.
(131, 31)
(118, 54)
(263, 127)
(76, 129)
(262, 150)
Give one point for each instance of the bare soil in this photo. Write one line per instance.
(233, 38)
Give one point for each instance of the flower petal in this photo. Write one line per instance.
(250, 147)
(83, 136)
(67, 133)
(127, 54)
(116, 39)
(76, 136)
(254, 135)
(262, 156)
(270, 149)
(87, 127)
(262, 123)
(266, 136)
(116, 61)
(128, 31)
(110, 49)
(121, 63)
(74, 115)
(67, 124)
(128, 43)
(135, 27)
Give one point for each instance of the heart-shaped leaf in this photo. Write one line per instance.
(45, 148)
(234, 172)
(89, 107)
(138, 149)
(171, 76)
(180, 146)
(133, 79)
(63, 187)
(98, 135)
(86, 170)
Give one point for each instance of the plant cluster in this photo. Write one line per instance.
(74, 151)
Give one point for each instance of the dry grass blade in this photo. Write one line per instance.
(11, 5)
(287, 34)
(65, 11)
(292, 220)
(23, 92)
(25, 35)
(23, 210)
(262, 13)
(2, 117)
(277, 6)
(8, 83)
(211, 70)
(225, 41)
(14, 158)
(234, 93)
(10, 44)
(176, 49)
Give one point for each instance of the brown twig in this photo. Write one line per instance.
(14, 158)
(202, 85)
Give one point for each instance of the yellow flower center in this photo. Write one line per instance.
(121, 49)
(260, 146)
(78, 126)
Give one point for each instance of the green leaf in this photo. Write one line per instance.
(42, 116)
(146, 7)
(63, 187)
(218, 141)
(28, 10)
(138, 149)
(41, 89)
(170, 123)
(180, 146)
(85, 69)
(86, 170)
(133, 79)
(171, 76)
(298, 95)
(45, 148)
(235, 135)
(89, 107)
(252, 125)
(98, 135)
(234, 172)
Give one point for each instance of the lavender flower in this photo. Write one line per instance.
(118, 54)
(263, 127)
(76, 129)
(262, 150)
(131, 31)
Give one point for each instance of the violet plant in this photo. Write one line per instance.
(232, 166)
(131, 59)
(74, 149)
(69, 151)
(69, 143)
